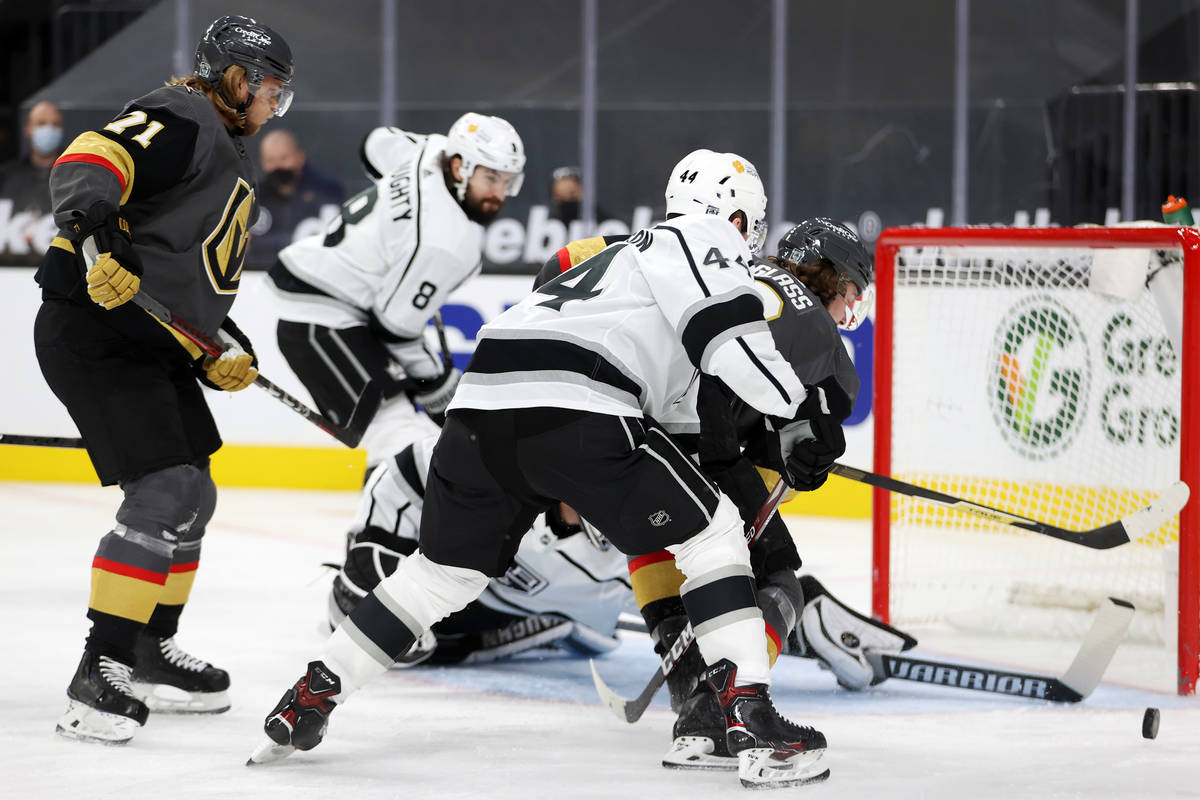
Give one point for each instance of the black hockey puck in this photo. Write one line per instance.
(1150, 723)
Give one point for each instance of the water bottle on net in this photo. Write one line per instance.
(1176, 211)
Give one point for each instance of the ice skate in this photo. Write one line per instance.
(700, 735)
(101, 706)
(772, 752)
(169, 680)
(301, 717)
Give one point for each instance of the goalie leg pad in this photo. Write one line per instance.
(840, 637)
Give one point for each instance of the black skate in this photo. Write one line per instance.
(301, 717)
(101, 706)
(771, 751)
(169, 680)
(682, 680)
(700, 735)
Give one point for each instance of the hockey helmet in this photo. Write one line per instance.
(482, 141)
(256, 48)
(721, 184)
(821, 237)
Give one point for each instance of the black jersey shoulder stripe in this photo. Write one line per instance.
(406, 462)
(499, 356)
(688, 253)
(416, 221)
(710, 322)
(761, 368)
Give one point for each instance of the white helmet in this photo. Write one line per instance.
(705, 182)
(486, 142)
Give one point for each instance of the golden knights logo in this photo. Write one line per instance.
(1039, 377)
(225, 248)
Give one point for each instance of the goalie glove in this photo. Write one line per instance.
(113, 270)
(237, 367)
(839, 637)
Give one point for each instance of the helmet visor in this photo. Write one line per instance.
(279, 97)
(857, 308)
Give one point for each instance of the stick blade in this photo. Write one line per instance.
(615, 703)
(1145, 521)
(364, 411)
(1101, 642)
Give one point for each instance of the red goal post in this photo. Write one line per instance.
(894, 243)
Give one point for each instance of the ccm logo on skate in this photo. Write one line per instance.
(987, 680)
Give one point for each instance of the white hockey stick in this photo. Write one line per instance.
(1130, 528)
(1080, 679)
(632, 710)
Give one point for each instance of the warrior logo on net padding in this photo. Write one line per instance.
(1039, 377)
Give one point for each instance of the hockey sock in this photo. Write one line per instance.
(719, 596)
(386, 622)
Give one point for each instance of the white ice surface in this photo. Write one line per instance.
(531, 728)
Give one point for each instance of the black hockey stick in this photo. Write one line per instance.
(41, 441)
(632, 710)
(1080, 679)
(1127, 529)
(440, 327)
(364, 407)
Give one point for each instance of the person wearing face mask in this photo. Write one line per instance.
(26, 180)
(566, 196)
(291, 190)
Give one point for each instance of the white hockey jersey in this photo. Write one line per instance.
(627, 331)
(397, 250)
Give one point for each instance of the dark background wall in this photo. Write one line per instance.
(870, 89)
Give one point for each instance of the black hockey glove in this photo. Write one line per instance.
(237, 367)
(434, 395)
(114, 272)
(805, 448)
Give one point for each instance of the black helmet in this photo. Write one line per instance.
(256, 48)
(821, 237)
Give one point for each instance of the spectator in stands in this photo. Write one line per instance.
(566, 196)
(291, 191)
(26, 179)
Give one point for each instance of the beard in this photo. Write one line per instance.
(482, 211)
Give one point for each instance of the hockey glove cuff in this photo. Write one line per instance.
(113, 271)
(237, 367)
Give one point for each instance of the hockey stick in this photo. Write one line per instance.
(1127, 529)
(364, 407)
(632, 710)
(440, 327)
(1080, 679)
(41, 441)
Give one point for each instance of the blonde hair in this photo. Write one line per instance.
(230, 82)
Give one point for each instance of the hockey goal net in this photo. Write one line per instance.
(1008, 373)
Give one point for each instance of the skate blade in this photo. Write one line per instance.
(163, 699)
(86, 724)
(268, 752)
(765, 768)
(696, 752)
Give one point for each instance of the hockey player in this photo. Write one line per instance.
(559, 404)
(159, 200)
(819, 281)
(566, 588)
(354, 302)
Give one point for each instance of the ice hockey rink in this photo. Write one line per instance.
(532, 727)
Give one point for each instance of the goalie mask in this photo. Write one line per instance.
(482, 141)
(721, 184)
(822, 238)
(234, 40)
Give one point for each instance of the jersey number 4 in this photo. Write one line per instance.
(578, 283)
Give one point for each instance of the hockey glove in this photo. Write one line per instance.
(113, 270)
(434, 396)
(237, 367)
(806, 447)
